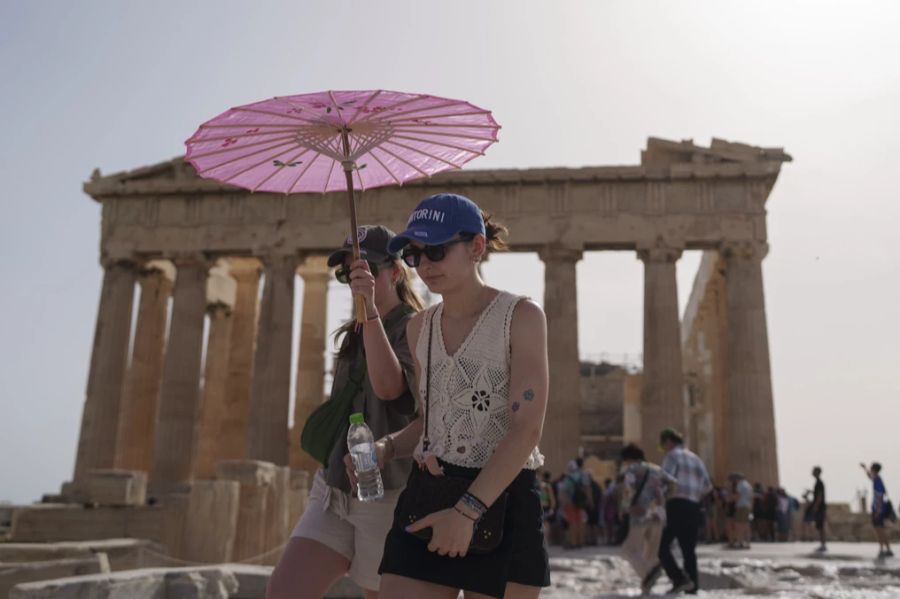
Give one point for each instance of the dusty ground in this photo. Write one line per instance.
(784, 570)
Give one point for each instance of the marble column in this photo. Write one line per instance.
(311, 359)
(137, 421)
(662, 394)
(561, 440)
(220, 295)
(109, 357)
(179, 400)
(267, 432)
(749, 410)
(233, 433)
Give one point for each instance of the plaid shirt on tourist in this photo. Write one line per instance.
(689, 471)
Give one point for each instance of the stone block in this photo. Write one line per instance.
(246, 472)
(174, 522)
(277, 515)
(211, 521)
(122, 554)
(13, 573)
(256, 480)
(252, 580)
(157, 583)
(114, 487)
(299, 495)
(54, 523)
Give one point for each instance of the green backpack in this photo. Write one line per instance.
(325, 425)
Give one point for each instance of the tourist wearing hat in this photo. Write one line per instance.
(338, 534)
(683, 516)
(481, 359)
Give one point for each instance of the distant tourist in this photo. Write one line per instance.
(594, 522)
(645, 486)
(682, 510)
(575, 501)
(743, 506)
(783, 516)
(770, 513)
(882, 509)
(816, 511)
(610, 512)
(712, 516)
(548, 503)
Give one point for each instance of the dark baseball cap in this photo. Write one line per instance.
(438, 218)
(373, 246)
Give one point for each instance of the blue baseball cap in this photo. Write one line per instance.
(437, 219)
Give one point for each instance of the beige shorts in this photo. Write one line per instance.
(353, 528)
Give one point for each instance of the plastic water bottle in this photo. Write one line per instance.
(361, 444)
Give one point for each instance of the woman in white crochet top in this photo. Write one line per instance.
(488, 395)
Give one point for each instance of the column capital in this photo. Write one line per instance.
(559, 253)
(314, 269)
(746, 250)
(279, 260)
(244, 269)
(659, 251)
(162, 268)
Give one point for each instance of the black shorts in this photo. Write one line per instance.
(521, 557)
(878, 519)
(819, 518)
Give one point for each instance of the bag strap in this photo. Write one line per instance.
(426, 442)
(640, 489)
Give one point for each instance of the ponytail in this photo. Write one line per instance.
(495, 234)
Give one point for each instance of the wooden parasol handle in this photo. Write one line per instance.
(359, 302)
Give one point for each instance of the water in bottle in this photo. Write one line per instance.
(361, 444)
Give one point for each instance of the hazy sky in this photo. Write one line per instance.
(120, 85)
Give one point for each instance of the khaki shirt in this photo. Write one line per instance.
(383, 417)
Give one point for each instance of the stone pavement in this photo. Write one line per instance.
(784, 570)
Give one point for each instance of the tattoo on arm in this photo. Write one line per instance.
(528, 395)
(515, 406)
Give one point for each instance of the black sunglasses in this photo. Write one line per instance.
(342, 274)
(435, 253)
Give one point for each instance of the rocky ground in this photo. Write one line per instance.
(783, 570)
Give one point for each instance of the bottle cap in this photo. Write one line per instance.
(357, 418)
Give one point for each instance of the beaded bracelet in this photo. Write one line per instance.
(474, 503)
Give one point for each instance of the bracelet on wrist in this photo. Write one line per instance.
(375, 316)
(465, 515)
(389, 449)
(474, 504)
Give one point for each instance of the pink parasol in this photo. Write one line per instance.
(339, 140)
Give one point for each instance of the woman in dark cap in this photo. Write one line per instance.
(338, 534)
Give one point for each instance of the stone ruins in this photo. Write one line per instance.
(200, 423)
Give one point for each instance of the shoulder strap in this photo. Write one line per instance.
(640, 489)
(426, 442)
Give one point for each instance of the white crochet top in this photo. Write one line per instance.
(470, 409)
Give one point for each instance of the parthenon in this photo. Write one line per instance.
(209, 247)
(185, 443)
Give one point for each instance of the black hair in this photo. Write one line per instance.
(876, 467)
(632, 452)
(579, 461)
